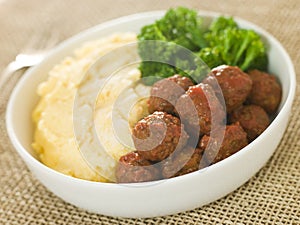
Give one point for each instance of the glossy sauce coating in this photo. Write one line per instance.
(186, 161)
(247, 100)
(199, 108)
(234, 84)
(132, 167)
(266, 91)
(235, 138)
(252, 118)
(165, 93)
(158, 135)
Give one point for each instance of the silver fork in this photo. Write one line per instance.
(34, 52)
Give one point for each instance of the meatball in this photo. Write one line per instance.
(234, 85)
(158, 135)
(186, 161)
(266, 91)
(165, 93)
(253, 119)
(133, 168)
(199, 108)
(235, 138)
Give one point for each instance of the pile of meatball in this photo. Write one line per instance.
(193, 126)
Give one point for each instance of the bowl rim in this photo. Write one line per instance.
(88, 32)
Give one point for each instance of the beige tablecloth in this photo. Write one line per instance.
(270, 197)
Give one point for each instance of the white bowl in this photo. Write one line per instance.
(153, 198)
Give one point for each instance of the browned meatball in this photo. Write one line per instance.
(235, 138)
(133, 168)
(234, 84)
(266, 91)
(252, 118)
(158, 135)
(165, 93)
(186, 161)
(199, 108)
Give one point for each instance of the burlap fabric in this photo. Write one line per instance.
(272, 196)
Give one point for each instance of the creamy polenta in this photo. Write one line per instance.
(54, 139)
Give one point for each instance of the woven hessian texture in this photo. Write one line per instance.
(270, 197)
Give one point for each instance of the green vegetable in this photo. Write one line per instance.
(221, 24)
(163, 46)
(211, 56)
(154, 53)
(181, 28)
(234, 46)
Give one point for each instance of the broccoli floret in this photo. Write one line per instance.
(222, 43)
(155, 71)
(211, 56)
(156, 54)
(181, 28)
(255, 57)
(234, 46)
(193, 67)
(222, 23)
(151, 32)
(184, 27)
